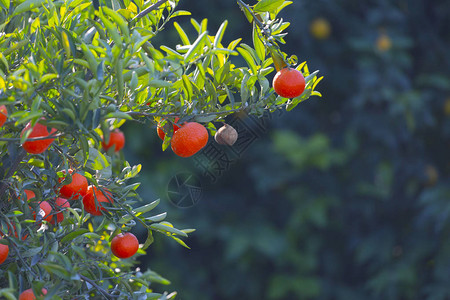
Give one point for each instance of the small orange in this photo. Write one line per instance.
(3, 115)
(189, 139)
(29, 295)
(38, 131)
(4, 250)
(161, 132)
(76, 189)
(289, 83)
(30, 194)
(60, 204)
(116, 140)
(89, 200)
(45, 210)
(124, 245)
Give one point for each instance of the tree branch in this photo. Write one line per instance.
(149, 9)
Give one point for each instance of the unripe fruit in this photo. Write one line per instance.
(89, 200)
(3, 115)
(4, 251)
(29, 295)
(189, 139)
(289, 83)
(124, 245)
(38, 131)
(226, 135)
(116, 140)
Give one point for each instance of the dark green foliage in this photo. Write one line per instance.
(345, 198)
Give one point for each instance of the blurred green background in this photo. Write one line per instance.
(346, 197)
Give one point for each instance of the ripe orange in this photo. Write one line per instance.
(189, 139)
(89, 200)
(124, 245)
(29, 295)
(30, 194)
(75, 189)
(3, 115)
(116, 140)
(45, 210)
(289, 83)
(161, 132)
(4, 250)
(38, 131)
(60, 204)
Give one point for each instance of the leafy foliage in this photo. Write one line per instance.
(85, 69)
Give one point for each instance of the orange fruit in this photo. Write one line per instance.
(320, 28)
(124, 245)
(75, 189)
(189, 139)
(38, 131)
(4, 250)
(89, 200)
(3, 115)
(60, 204)
(45, 210)
(383, 43)
(289, 83)
(116, 140)
(30, 194)
(161, 132)
(29, 295)
(14, 231)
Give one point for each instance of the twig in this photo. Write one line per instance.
(149, 9)
(143, 114)
(99, 288)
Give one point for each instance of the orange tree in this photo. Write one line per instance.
(72, 73)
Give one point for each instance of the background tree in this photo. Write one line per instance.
(345, 198)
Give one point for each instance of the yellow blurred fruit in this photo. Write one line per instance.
(320, 28)
(447, 107)
(384, 43)
(432, 175)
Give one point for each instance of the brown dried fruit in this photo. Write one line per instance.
(226, 135)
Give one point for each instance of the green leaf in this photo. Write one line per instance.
(118, 115)
(118, 19)
(167, 229)
(268, 5)
(182, 34)
(157, 83)
(72, 235)
(157, 218)
(258, 44)
(146, 208)
(181, 242)
(219, 34)
(149, 239)
(27, 6)
(31, 252)
(196, 46)
(249, 59)
(205, 119)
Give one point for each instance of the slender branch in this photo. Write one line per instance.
(149, 9)
(99, 288)
(51, 136)
(143, 114)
